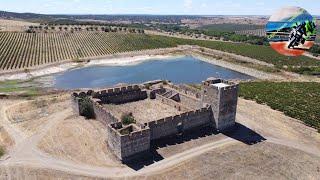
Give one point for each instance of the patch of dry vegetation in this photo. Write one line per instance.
(29, 116)
(79, 140)
(15, 25)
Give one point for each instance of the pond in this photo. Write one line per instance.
(185, 69)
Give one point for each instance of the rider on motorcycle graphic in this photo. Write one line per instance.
(300, 32)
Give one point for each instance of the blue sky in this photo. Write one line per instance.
(192, 7)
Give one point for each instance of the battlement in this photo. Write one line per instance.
(116, 91)
(129, 141)
(220, 84)
(223, 97)
(177, 124)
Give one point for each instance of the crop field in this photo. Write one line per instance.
(229, 27)
(262, 53)
(255, 32)
(295, 99)
(24, 50)
(259, 52)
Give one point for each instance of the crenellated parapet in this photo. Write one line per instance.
(223, 97)
(129, 141)
(177, 124)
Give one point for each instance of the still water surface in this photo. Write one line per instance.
(185, 69)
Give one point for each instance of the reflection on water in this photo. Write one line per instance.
(179, 70)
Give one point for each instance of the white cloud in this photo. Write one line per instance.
(188, 4)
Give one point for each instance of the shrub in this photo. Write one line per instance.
(86, 108)
(127, 118)
(2, 151)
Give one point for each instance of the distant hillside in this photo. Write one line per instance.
(13, 15)
(131, 18)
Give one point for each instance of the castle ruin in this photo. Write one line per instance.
(159, 109)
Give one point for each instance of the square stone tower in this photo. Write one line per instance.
(223, 98)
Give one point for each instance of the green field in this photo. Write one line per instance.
(300, 100)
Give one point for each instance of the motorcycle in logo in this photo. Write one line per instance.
(291, 31)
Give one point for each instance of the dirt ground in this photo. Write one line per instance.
(260, 161)
(79, 140)
(144, 111)
(29, 116)
(5, 140)
(288, 149)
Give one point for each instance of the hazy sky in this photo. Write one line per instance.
(192, 7)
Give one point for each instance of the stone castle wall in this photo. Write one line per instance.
(185, 89)
(228, 106)
(223, 101)
(128, 146)
(172, 103)
(102, 114)
(75, 103)
(121, 95)
(189, 120)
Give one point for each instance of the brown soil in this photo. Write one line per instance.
(144, 111)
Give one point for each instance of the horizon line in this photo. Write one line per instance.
(88, 14)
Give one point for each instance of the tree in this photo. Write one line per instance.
(86, 108)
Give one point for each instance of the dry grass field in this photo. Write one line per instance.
(15, 25)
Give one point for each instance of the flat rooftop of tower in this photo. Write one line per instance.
(221, 85)
(144, 111)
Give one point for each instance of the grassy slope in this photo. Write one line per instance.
(15, 86)
(295, 99)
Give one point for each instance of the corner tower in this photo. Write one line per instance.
(223, 98)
